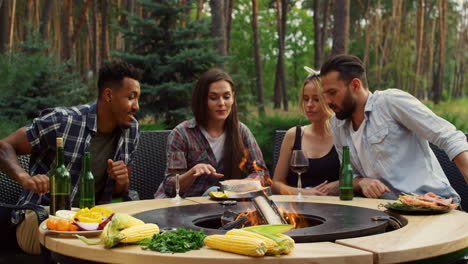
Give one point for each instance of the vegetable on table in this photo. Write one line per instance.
(181, 240)
(270, 235)
(123, 228)
(237, 244)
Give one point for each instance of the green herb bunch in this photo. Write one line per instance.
(182, 240)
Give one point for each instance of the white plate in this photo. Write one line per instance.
(70, 233)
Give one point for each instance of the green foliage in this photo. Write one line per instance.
(454, 111)
(156, 126)
(264, 130)
(33, 81)
(299, 48)
(9, 126)
(172, 57)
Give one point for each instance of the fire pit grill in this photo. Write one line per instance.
(327, 222)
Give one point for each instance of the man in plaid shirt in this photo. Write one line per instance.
(106, 128)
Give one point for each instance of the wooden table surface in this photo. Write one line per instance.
(423, 237)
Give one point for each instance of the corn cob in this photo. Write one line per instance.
(132, 221)
(272, 247)
(287, 245)
(237, 244)
(138, 232)
(121, 221)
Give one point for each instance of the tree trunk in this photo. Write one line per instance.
(318, 58)
(200, 4)
(419, 42)
(258, 62)
(12, 25)
(459, 64)
(229, 5)
(367, 33)
(284, 6)
(4, 23)
(280, 80)
(95, 22)
(439, 76)
(66, 28)
(29, 18)
(325, 32)
(45, 17)
(104, 32)
(84, 13)
(218, 26)
(340, 27)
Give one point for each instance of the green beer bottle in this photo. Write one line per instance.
(346, 177)
(86, 184)
(60, 182)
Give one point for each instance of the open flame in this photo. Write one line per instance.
(293, 218)
(244, 160)
(253, 218)
(260, 171)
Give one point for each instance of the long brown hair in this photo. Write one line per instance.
(233, 147)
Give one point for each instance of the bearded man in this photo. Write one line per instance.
(388, 134)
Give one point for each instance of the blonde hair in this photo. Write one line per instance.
(315, 80)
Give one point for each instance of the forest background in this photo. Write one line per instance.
(50, 51)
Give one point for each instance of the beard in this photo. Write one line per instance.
(349, 106)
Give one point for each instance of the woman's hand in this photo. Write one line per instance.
(202, 168)
(331, 188)
(317, 190)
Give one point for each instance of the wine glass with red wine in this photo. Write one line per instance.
(299, 164)
(177, 165)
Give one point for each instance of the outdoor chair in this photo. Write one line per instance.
(10, 191)
(277, 141)
(150, 163)
(452, 172)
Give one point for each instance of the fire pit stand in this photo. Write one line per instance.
(326, 222)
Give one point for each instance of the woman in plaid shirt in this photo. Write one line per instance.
(214, 142)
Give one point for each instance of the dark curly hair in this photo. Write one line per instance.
(347, 66)
(111, 74)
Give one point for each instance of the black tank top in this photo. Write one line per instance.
(320, 170)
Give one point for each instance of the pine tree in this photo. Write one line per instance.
(173, 50)
(32, 81)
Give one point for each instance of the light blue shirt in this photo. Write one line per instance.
(397, 132)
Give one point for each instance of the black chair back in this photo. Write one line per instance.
(10, 189)
(150, 163)
(277, 141)
(453, 174)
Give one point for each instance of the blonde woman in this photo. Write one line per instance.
(316, 142)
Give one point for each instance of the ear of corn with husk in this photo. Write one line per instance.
(123, 228)
(237, 244)
(285, 243)
(272, 247)
(270, 235)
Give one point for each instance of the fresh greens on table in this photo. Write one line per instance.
(182, 240)
(405, 206)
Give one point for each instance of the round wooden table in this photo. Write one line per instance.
(423, 237)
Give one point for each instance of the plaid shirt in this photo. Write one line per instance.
(187, 137)
(77, 125)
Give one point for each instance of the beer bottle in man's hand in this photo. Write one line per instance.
(346, 177)
(60, 182)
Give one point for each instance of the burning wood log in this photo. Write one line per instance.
(268, 210)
